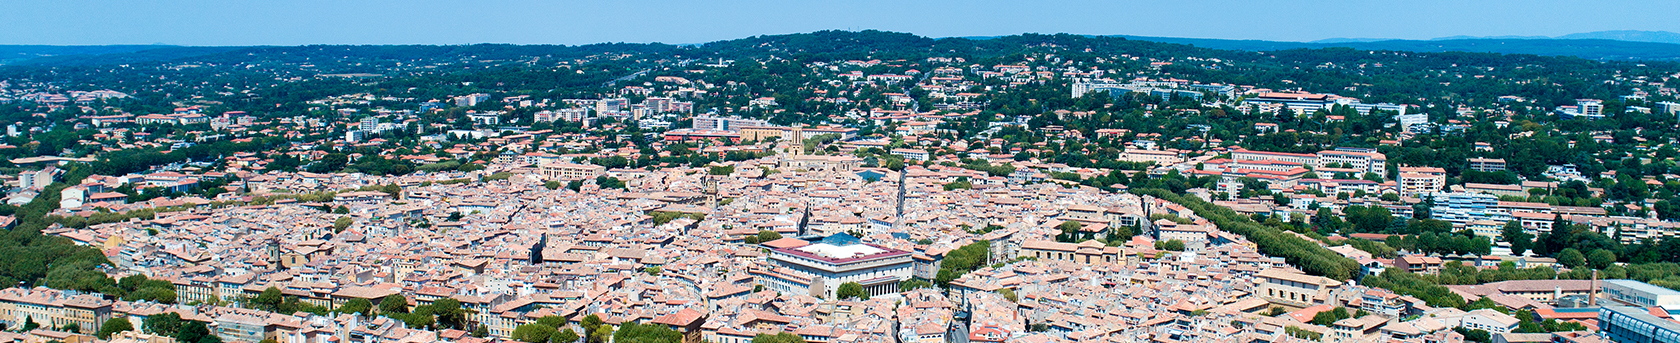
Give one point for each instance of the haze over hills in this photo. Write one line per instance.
(1600, 45)
(1617, 35)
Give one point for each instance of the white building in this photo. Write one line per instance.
(726, 123)
(800, 267)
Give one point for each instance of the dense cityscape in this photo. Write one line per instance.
(838, 187)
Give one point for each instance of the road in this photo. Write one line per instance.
(898, 217)
(626, 77)
(958, 334)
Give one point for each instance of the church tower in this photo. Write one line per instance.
(274, 253)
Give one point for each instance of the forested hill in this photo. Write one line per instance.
(329, 54)
(1376, 76)
(1594, 49)
(821, 45)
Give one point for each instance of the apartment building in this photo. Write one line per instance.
(563, 171)
(1417, 181)
(710, 123)
(1487, 165)
(1496, 190)
(1362, 160)
(1461, 208)
(1160, 158)
(1090, 252)
(53, 308)
(1293, 289)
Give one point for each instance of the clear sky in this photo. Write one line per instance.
(297, 22)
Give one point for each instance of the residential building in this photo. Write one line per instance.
(1487, 165)
(1417, 181)
(1091, 252)
(1461, 208)
(1161, 158)
(471, 100)
(1293, 289)
(1418, 264)
(564, 171)
(731, 124)
(53, 308)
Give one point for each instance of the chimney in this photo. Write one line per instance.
(1592, 294)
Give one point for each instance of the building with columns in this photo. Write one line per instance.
(818, 269)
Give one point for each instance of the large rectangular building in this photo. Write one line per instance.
(1487, 165)
(1640, 294)
(53, 308)
(820, 268)
(731, 124)
(1358, 159)
(1091, 253)
(1461, 208)
(1293, 289)
(1417, 181)
(563, 171)
(1626, 324)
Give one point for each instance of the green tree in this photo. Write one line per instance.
(269, 300)
(594, 329)
(193, 331)
(1369, 218)
(532, 333)
(162, 324)
(1601, 258)
(1326, 318)
(607, 182)
(114, 325)
(1474, 335)
(1070, 230)
(1513, 233)
(394, 303)
(565, 336)
(1571, 258)
(341, 223)
(913, 284)
(782, 337)
(633, 332)
(961, 261)
(1171, 245)
(767, 235)
(450, 314)
(357, 306)
(850, 290)
(553, 185)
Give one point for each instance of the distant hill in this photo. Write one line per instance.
(1629, 35)
(1595, 49)
(837, 44)
(333, 54)
(14, 53)
(1617, 35)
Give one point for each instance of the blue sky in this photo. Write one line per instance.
(297, 22)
